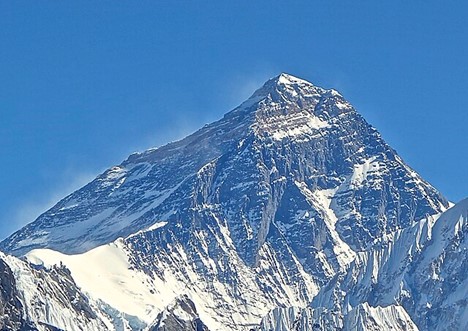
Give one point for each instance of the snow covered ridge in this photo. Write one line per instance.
(422, 268)
(388, 287)
(288, 129)
(285, 201)
(38, 299)
(361, 317)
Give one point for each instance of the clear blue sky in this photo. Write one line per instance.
(83, 85)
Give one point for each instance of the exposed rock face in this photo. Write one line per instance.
(362, 317)
(182, 315)
(11, 308)
(289, 139)
(44, 299)
(267, 207)
(423, 268)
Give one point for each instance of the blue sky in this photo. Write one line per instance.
(85, 84)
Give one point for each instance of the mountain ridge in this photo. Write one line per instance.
(260, 209)
(270, 122)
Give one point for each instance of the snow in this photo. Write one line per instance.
(362, 170)
(153, 227)
(313, 123)
(114, 174)
(104, 273)
(448, 225)
(156, 226)
(322, 200)
(45, 299)
(361, 318)
(288, 79)
(193, 224)
(292, 124)
(421, 266)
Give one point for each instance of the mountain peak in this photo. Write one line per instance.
(308, 134)
(283, 88)
(287, 94)
(287, 79)
(291, 199)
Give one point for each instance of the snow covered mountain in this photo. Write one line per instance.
(423, 268)
(360, 317)
(274, 205)
(46, 300)
(289, 137)
(419, 272)
(181, 315)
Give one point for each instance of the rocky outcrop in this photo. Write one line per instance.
(181, 315)
(11, 308)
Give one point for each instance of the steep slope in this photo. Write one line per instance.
(423, 268)
(257, 210)
(11, 308)
(139, 283)
(180, 315)
(361, 318)
(290, 136)
(45, 300)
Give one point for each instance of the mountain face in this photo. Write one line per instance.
(423, 268)
(420, 271)
(36, 299)
(290, 138)
(181, 315)
(360, 317)
(285, 202)
(11, 307)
